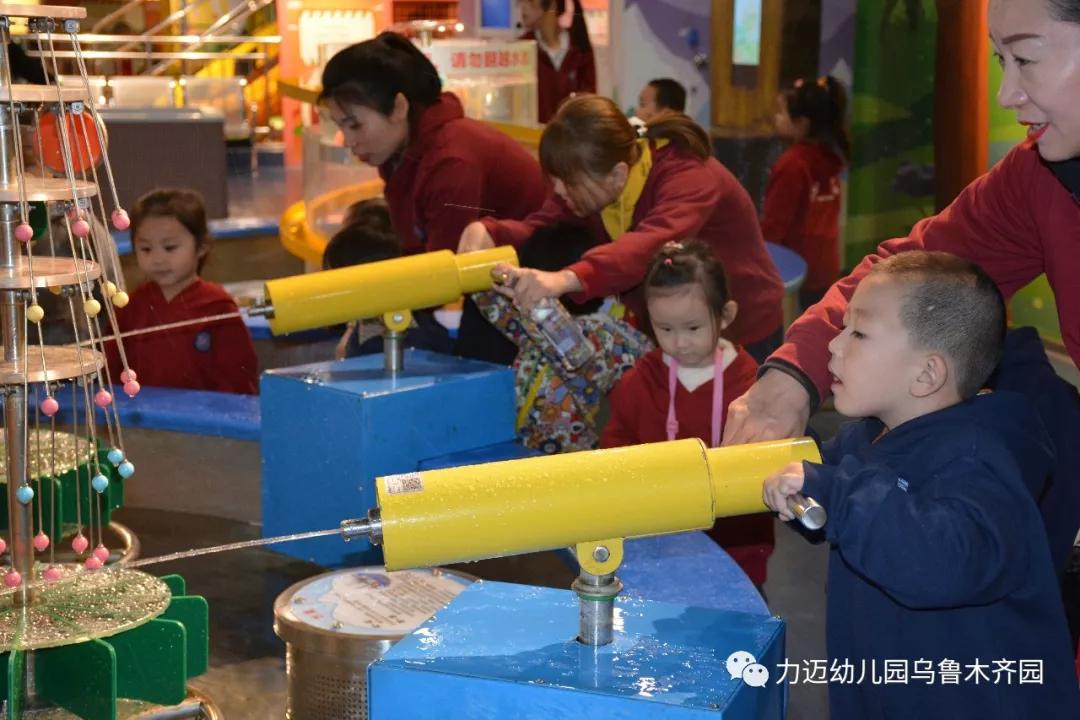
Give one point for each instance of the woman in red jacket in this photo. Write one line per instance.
(681, 389)
(442, 170)
(639, 192)
(802, 199)
(565, 64)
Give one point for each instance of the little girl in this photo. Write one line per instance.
(682, 389)
(171, 241)
(803, 198)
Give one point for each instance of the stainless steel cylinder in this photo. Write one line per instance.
(335, 625)
(596, 599)
(393, 351)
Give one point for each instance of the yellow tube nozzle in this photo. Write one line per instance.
(520, 506)
(364, 291)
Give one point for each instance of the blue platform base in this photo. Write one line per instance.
(508, 651)
(329, 429)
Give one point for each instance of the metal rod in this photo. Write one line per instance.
(127, 55)
(393, 351)
(93, 38)
(596, 599)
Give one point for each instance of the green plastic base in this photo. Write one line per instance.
(151, 663)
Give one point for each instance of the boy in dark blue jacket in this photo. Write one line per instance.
(942, 599)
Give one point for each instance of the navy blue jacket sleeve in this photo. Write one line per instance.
(956, 542)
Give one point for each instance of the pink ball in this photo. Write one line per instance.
(3, 545)
(102, 398)
(13, 579)
(80, 543)
(92, 563)
(24, 233)
(41, 542)
(132, 388)
(53, 573)
(120, 219)
(81, 228)
(101, 553)
(49, 406)
(128, 375)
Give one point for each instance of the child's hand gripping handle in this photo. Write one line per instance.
(807, 511)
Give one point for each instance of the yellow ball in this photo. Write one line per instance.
(34, 313)
(120, 299)
(110, 288)
(91, 307)
(55, 289)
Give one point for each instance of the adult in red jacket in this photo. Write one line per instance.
(639, 193)
(442, 170)
(565, 63)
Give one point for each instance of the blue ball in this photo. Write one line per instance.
(116, 455)
(100, 482)
(126, 469)
(25, 494)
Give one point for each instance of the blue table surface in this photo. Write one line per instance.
(790, 264)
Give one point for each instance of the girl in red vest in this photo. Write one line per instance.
(682, 389)
(565, 63)
(442, 170)
(802, 198)
(636, 191)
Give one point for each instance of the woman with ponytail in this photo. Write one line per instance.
(442, 170)
(565, 64)
(637, 192)
(802, 198)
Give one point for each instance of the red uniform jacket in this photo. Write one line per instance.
(576, 74)
(639, 406)
(1016, 221)
(684, 197)
(802, 209)
(453, 171)
(212, 356)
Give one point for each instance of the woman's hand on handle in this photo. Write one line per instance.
(776, 406)
(475, 237)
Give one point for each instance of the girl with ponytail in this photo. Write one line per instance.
(565, 64)
(636, 192)
(803, 198)
(442, 170)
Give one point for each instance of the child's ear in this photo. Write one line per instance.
(200, 252)
(932, 376)
(728, 313)
(619, 173)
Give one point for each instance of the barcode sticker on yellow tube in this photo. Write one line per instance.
(404, 483)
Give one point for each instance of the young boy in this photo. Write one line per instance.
(660, 96)
(557, 407)
(942, 600)
(366, 236)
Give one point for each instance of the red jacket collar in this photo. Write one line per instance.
(446, 109)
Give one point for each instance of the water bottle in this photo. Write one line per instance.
(563, 332)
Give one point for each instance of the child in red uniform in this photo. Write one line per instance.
(171, 240)
(802, 198)
(565, 64)
(682, 389)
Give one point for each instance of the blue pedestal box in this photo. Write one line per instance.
(329, 429)
(508, 651)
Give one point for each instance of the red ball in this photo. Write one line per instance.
(102, 398)
(92, 563)
(41, 542)
(80, 543)
(132, 387)
(81, 228)
(128, 375)
(120, 219)
(101, 553)
(3, 545)
(53, 573)
(24, 233)
(49, 406)
(13, 579)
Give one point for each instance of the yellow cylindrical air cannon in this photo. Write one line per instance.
(372, 290)
(590, 501)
